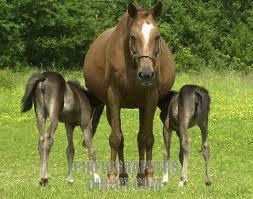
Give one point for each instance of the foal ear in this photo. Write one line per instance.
(132, 11)
(157, 10)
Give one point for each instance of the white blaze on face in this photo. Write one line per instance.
(146, 29)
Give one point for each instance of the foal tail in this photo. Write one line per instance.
(26, 102)
(203, 98)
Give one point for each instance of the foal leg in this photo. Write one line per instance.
(70, 151)
(87, 135)
(48, 142)
(206, 150)
(185, 142)
(180, 154)
(167, 141)
(41, 119)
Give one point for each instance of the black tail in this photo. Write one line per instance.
(203, 98)
(26, 102)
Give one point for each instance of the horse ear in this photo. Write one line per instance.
(132, 11)
(157, 10)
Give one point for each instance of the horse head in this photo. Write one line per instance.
(144, 41)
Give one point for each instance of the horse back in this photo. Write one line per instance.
(193, 103)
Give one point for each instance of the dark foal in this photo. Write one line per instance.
(65, 102)
(179, 112)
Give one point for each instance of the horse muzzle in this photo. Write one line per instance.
(146, 76)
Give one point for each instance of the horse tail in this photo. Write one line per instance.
(26, 102)
(203, 99)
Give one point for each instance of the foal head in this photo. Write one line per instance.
(144, 41)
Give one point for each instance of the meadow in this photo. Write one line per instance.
(230, 138)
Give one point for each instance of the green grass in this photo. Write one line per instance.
(230, 138)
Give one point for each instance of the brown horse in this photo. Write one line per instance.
(130, 66)
(66, 102)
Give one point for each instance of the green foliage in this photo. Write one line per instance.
(216, 34)
(11, 44)
(202, 33)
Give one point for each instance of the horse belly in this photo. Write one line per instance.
(94, 81)
(134, 98)
(132, 102)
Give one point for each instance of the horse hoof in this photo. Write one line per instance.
(43, 181)
(140, 179)
(123, 178)
(149, 182)
(97, 179)
(149, 176)
(182, 183)
(163, 184)
(165, 180)
(111, 184)
(70, 182)
(208, 183)
(112, 178)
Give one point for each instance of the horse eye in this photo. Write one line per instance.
(132, 38)
(158, 38)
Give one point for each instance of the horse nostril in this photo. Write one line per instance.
(146, 76)
(140, 75)
(152, 75)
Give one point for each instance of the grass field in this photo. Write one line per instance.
(230, 138)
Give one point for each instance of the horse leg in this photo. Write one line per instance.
(123, 176)
(113, 116)
(180, 154)
(48, 142)
(206, 150)
(185, 143)
(141, 149)
(41, 119)
(167, 141)
(146, 125)
(70, 151)
(87, 136)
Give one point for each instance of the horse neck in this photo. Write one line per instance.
(119, 39)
